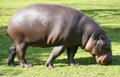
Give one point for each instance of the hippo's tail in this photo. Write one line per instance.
(8, 34)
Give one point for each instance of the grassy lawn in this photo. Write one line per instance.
(105, 12)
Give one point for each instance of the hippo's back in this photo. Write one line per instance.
(43, 11)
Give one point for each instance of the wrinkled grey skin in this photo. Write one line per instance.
(61, 27)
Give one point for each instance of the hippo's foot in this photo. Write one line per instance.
(49, 65)
(11, 63)
(74, 64)
(25, 65)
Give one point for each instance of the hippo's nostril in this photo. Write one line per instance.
(107, 60)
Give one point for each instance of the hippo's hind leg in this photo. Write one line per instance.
(20, 52)
(54, 54)
(12, 54)
(70, 54)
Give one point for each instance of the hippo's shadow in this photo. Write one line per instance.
(64, 62)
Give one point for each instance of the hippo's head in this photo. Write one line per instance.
(100, 48)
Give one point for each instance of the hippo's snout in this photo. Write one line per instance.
(104, 59)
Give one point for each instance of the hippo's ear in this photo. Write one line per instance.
(90, 44)
(101, 37)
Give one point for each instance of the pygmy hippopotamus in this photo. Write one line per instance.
(58, 26)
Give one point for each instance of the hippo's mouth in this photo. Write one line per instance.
(104, 59)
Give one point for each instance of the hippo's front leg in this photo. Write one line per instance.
(70, 54)
(54, 54)
(12, 54)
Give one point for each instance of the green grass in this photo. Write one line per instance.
(104, 12)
